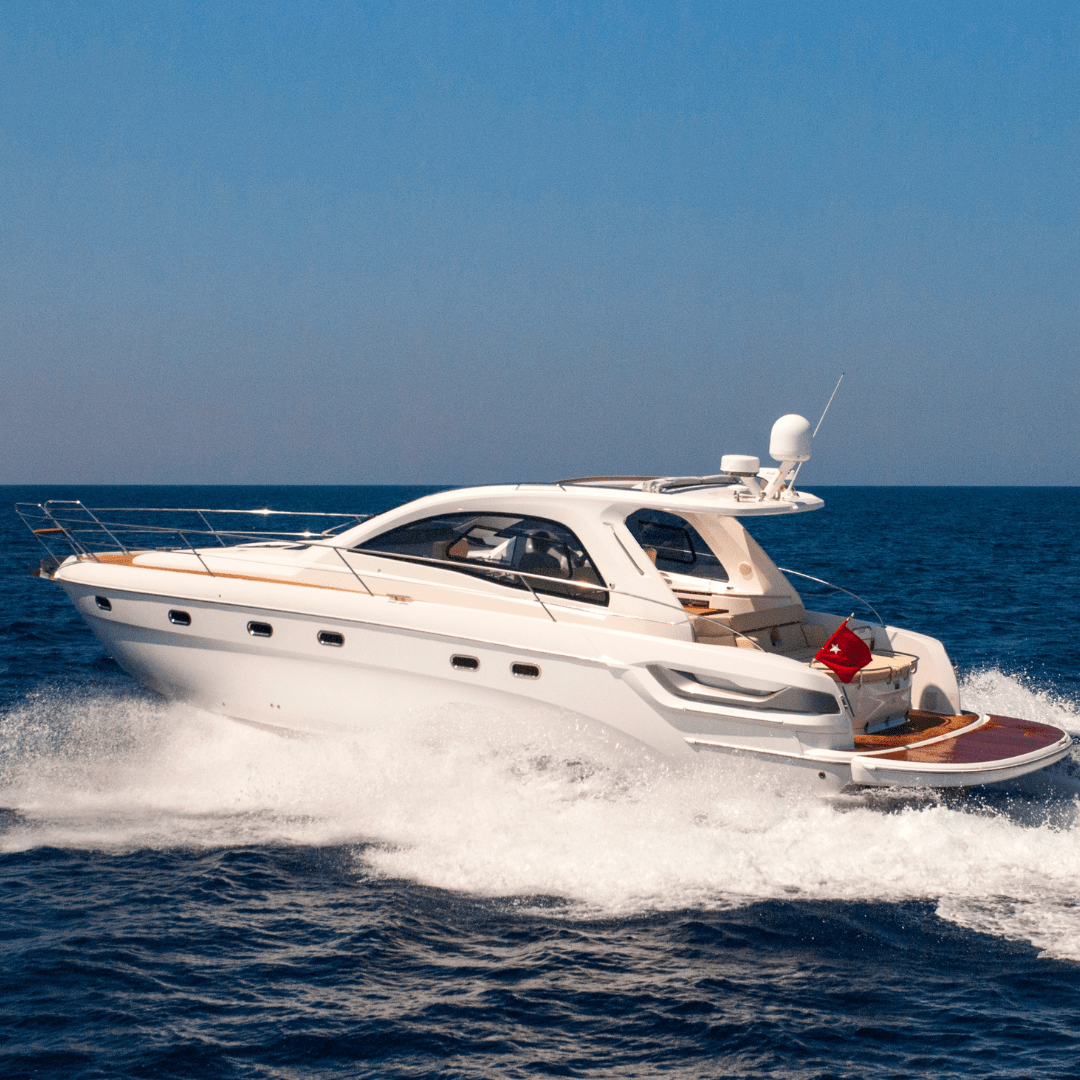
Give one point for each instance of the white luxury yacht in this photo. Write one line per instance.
(638, 602)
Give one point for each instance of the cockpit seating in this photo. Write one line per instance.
(546, 556)
(878, 693)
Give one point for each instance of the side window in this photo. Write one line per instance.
(674, 545)
(519, 552)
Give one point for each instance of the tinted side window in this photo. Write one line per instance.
(679, 547)
(492, 545)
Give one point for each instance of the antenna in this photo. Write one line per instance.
(791, 482)
(831, 396)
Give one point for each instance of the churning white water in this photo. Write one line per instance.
(520, 806)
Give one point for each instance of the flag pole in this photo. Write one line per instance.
(843, 688)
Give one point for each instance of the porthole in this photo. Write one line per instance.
(103, 602)
(260, 629)
(179, 618)
(464, 663)
(331, 637)
(525, 671)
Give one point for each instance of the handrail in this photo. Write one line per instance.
(349, 566)
(442, 585)
(74, 531)
(74, 519)
(75, 522)
(424, 560)
(202, 514)
(193, 510)
(195, 553)
(838, 588)
(523, 575)
(442, 564)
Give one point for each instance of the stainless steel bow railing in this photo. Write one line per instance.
(89, 531)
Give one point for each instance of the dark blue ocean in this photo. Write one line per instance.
(472, 895)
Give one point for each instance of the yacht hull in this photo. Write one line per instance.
(397, 657)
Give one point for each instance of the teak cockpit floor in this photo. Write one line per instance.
(918, 727)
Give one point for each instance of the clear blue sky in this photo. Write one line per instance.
(323, 242)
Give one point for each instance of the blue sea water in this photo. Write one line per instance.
(473, 895)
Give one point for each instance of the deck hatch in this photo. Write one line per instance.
(331, 637)
(179, 618)
(103, 602)
(464, 663)
(260, 629)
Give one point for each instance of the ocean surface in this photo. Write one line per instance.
(468, 895)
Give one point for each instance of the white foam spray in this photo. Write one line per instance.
(525, 806)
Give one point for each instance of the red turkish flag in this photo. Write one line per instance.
(845, 652)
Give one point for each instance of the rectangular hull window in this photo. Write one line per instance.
(179, 618)
(260, 629)
(328, 637)
(525, 671)
(103, 603)
(465, 663)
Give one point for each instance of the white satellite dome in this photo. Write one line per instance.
(791, 439)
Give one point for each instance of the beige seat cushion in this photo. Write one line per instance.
(882, 668)
(711, 631)
(761, 620)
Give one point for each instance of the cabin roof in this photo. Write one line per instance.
(674, 494)
(579, 502)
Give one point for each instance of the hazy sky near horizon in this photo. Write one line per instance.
(313, 242)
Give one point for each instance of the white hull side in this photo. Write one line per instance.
(386, 669)
(292, 681)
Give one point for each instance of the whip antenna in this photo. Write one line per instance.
(831, 396)
(791, 482)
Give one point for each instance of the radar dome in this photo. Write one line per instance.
(739, 465)
(791, 439)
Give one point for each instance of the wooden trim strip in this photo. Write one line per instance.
(128, 559)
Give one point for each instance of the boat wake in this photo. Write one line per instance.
(528, 806)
